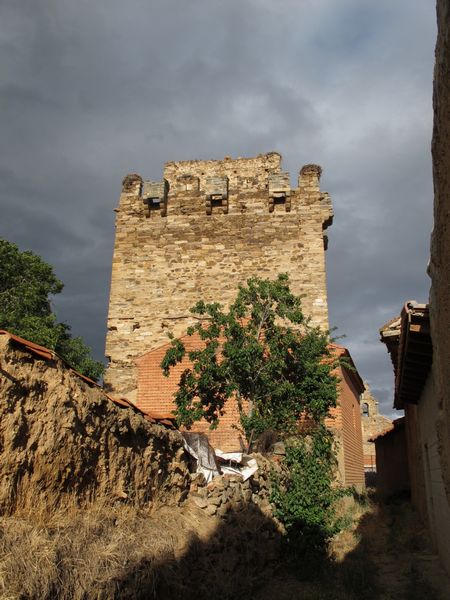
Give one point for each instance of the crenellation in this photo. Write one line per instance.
(131, 183)
(217, 230)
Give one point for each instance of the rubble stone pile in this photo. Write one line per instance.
(229, 493)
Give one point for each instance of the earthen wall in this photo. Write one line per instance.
(430, 480)
(392, 463)
(416, 453)
(440, 240)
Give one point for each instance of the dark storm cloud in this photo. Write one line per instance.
(92, 90)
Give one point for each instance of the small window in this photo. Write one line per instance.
(365, 409)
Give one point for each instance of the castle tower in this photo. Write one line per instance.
(205, 227)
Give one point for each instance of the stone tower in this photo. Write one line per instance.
(372, 424)
(205, 227)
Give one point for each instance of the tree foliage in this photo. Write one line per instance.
(305, 500)
(262, 351)
(26, 284)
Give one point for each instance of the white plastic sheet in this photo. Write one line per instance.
(232, 463)
(197, 445)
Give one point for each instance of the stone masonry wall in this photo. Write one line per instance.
(205, 228)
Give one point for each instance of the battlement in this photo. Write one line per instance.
(248, 166)
(228, 186)
(198, 232)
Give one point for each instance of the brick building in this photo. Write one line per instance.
(345, 422)
(155, 395)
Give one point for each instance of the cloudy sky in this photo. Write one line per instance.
(93, 89)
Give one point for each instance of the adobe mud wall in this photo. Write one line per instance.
(196, 234)
(440, 240)
(392, 463)
(63, 440)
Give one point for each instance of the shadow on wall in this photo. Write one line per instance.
(370, 479)
(242, 553)
(248, 558)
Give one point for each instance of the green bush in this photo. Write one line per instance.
(304, 502)
(263, 352)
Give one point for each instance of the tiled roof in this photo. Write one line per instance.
(34, 348)
(397, 424)
(408, 341)
(352, 371)
(46, 354)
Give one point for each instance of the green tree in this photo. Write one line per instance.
(264, 352)
(261, 351)
(26, 284)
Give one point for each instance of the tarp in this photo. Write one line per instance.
(197, 445)
(212, 462)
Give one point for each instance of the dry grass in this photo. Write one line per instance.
(347, 575)
(381, 555)
(113, 551)
(99, 552)
(107, 552)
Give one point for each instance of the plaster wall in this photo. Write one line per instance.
(392, 463)
(436, 498)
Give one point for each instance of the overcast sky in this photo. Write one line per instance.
(93, 89)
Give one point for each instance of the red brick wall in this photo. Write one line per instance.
(351, 430)
(370, 462)
(155, 393)
(345, 421)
